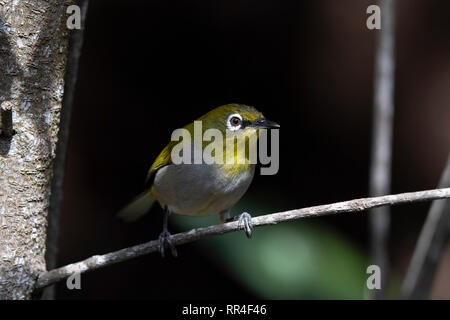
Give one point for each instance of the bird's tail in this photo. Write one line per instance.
(136, 208)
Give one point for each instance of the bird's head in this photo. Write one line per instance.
(236, 118)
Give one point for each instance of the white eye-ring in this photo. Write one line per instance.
(234, 121)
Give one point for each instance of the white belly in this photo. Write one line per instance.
(199, 189)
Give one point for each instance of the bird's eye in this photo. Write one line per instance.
(235, 121)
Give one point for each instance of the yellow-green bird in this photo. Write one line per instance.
(204, 188)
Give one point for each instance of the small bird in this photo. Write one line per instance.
(201, 189)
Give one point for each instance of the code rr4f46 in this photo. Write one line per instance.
(246, 309)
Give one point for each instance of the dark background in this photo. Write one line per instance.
(149, 67)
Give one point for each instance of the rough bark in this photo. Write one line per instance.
(70, 80)
(33, 53)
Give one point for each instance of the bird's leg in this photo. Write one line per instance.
(244, 218)
(225, 216)
(164, 237)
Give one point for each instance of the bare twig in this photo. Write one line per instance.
(430, 246)
(6, 123)
(70, 80)
(100, 261)
(380, 171)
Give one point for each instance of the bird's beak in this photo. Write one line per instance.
(264, 124)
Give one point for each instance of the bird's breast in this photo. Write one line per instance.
(201, 189)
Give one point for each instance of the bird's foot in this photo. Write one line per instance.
(163, 240)
(245, 219)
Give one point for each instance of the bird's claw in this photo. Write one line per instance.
(163, 240)
(246, 219)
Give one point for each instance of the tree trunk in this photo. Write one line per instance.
(33, 53)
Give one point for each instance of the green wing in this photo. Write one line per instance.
(162, 160)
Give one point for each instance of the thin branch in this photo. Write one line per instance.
(100, 261)
(380, 171)
(430, 246)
